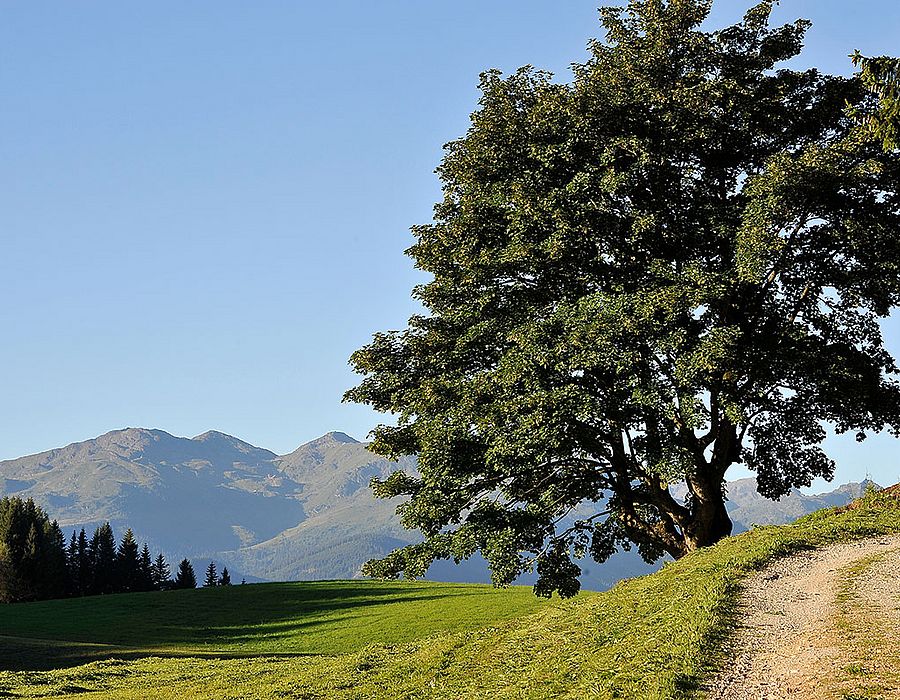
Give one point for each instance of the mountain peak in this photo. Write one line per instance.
(134, 432)
(214, 439)
(214, 435)
(337, 436)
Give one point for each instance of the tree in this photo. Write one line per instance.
(102, 549)
(73, 564)
(85, 572)
(54, 574)
(32, 553)
(128, 574)
(673, 264)
(160, 574)
(211, 579)
(145, 570)
(185, 577)
(225, 578)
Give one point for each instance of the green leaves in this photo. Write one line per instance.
(881, 76)
(674, 263)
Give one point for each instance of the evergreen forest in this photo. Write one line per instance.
(38, 563)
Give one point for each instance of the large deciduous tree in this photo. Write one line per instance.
(672, 264)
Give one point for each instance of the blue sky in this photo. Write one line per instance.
(203, 206)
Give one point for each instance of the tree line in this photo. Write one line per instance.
(37, 562)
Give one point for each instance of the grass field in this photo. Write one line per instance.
(314, 617)
(653, 637)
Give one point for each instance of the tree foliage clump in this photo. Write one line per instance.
(32, 553)
(673, 264)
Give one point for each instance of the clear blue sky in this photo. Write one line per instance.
(203, 206)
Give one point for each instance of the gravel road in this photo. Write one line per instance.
(787, 646)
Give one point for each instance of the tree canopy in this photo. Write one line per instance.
(672, 264)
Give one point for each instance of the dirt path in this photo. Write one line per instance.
(809, 622)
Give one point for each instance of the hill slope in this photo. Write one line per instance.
(658, 636)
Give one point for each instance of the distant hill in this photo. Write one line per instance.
(306, 515)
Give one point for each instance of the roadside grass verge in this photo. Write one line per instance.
(652, 637)
(869, 631)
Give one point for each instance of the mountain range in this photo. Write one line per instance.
(305, 515)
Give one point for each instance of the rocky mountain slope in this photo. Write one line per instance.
(305, 515)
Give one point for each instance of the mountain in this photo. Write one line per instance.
(344, 525)
(747, 507)
(176, 492)
(305, 515)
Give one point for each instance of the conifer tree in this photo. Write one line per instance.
(225, 578)
(53, 571)
(185, 577)
(103, 550)
(211, 578)
(145, 570)
(32, 552)
(30, 562)
(84, 565)
(161, 573)
(127, 565)
(72, 564)
(92, 549)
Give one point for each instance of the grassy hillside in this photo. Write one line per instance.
(652, 637)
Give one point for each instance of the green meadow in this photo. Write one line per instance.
(652, 637)
(314, 617)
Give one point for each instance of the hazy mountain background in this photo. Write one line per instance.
(306, 515)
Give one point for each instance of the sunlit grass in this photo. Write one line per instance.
(651, 637)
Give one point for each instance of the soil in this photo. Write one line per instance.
(789, 644)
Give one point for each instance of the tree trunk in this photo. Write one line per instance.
(710, 524)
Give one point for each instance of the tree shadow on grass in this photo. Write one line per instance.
(216, 622)
(21, 654)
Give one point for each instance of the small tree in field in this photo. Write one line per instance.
(212, 578)
(225, 578)
(185, 578)
(673, 264)
(160, 574)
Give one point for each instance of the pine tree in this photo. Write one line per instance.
(127, 565)
(160, 573)
(103, 546)
(185, 577)
(211, 579)
(29, 564)
(32, 553)
(84, 565)
(92, 587)
(145, 570)
(12, 539)
(225, 578)
(72, 564)
(53, 576)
